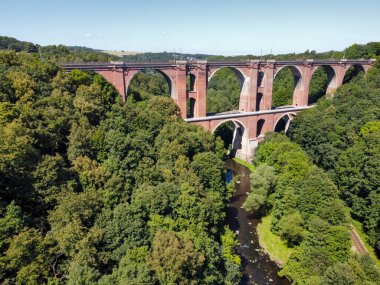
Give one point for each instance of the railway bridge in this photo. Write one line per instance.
(188, 82)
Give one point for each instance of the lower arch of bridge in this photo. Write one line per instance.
(237, 137)
(284, 88)
(283, 123)
(323, 81)
(352, 72)
(215, 96)
(162, 84)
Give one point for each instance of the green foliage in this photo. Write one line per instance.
(233, 262)
(174, 259)
(291, 228)
(59, 53)
(342, 136)
(358, 270)
(11, 222)
(306, 211)
(146, 84)
(13, 44)
(93, 192)
(262, 180)
(369, 50)
(26, 258)
(318, 85)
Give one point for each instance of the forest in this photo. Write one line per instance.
(93, 191)
(318, 180)
(56, 53)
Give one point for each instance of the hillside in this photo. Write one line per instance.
(56, 53)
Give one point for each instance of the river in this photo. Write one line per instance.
(257, 267)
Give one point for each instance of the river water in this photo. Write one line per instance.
(257, 267)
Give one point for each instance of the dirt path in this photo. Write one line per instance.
(357, 244)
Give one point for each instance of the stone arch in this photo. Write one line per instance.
(297, 74)
(170, 81)
(352, 72)
(283, 123)
(260, 127)
(330, 86)
(239, 74)
(239, 142)
(243, 85)
(259, 101)
(298, 82)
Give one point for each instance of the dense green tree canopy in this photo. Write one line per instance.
(342, 136)
(93, 191)
(308, 214)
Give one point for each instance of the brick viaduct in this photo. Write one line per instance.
(188, 80)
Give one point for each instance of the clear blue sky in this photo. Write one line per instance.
(204, 26)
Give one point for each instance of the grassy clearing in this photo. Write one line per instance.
(250, 166)
(359, 229)
(271, 243)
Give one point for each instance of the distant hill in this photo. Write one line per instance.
(356, 51)
(16, 45)
(61, 53)
(57, 53)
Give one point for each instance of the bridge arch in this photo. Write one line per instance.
(297, 85)
(238, 72)
(169, 80)
(326, 75)
(239, 141)
(282, 124)
(353, 71)
(235, 98)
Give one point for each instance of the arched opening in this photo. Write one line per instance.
(354, 72)
(286, 81)
(147, 83)
(259, 129)
(260, 79)
(282, 125)
(322, 82)
(232, 134)
(190, 82)
(259, 101)
(191, 107)
(223, 90)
